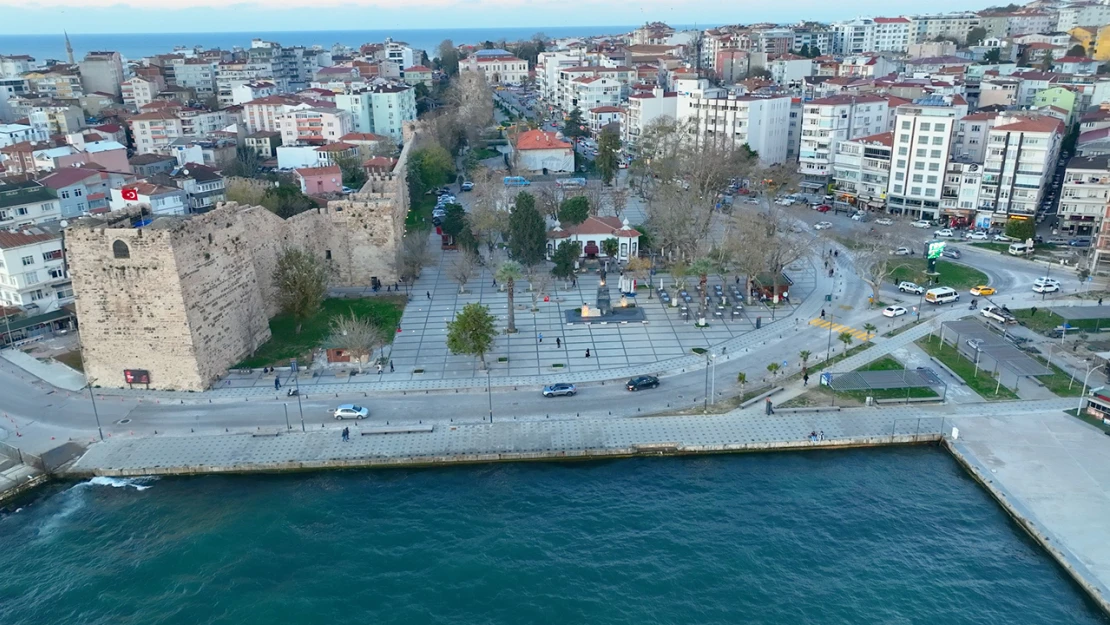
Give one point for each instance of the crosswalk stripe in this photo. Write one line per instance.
(837, 327)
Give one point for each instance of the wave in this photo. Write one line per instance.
(138, 483)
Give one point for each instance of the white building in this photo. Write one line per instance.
(161, 200)
(314, 126)
(861, 171)
(594, 91)
(959, 197)
(399, 53)
(102, 72)
(854, 37)
(1081, 14)
(548, 67)
(393, 105)
(1085, 196)
(537, 151)
(645, 108)
(591, 233)
(789, 70)
(602, 116)
(923, 137)
(499, 66)
(27, 203)
(232, 74)
(1021, 159)
(32, 268)
(139, 91)
(196, 74)
(14, 66)
(10, 134)
(252, 90)
(762, 123)
(972, 130)
(828, 121)
(892, 34)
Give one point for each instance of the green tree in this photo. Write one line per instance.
(993, 56)
(742, 380)
(701, 268)
(574, 210)
(804, 51)
(976, 35)
(1047, 62)
(814, 52)
(472, 332)
(301, 279)
(1020, 229)
(804, 355)
(447, 57)
(1077, 50)
(565, 256)
(610, 247)
(869, 328)
(508, 273)
(846, 338)
(454, 221)
(608, 154)
(774, 369)
(286, 200)
(429, 168)
(354, 176)
(574, 126)
(527, 232)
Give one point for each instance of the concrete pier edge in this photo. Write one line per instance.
(1028, 521)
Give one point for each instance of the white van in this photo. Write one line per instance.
(942, 295)
(1020, 249)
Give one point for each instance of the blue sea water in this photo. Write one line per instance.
(867, 537)
(135, 46)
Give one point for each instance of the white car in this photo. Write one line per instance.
(976, 236)
(944, 232)
(894, 311)
(1001, 238)
(858, 216)
(1049, 287)
(822, 225)
(783, 201)
(883, 221)
(351, 411)
(1046, 282)
(910, 287)
(921, 223)
(902, 251)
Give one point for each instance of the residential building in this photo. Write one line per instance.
(264, 143)
(794, 131)
(369, 144)
(159, 199)
(155, 130)
(232, 74)
(645, 108)
(102, 72)
(319, 180)
(27, 203)
(772, 41)
(891, 34)
(817, 38)
(861, 171)
(13, 66)
(11, 134)
(602, 116)
(263, 113)
(594, 91)
(314, 126)
(1094, 39)
(1020, 23)
(1062, 98)
(853, 37)
(959, 196)
(196, 74)
(10, 88)
(762, 123)
(146, 165)
(393, 106)
(253, 90)
(1081, 13)
(1076, 64)
(107, 153)
(541, 151)
(203, 185)
(79, 190)
(790, 70)
(216, 151)
(590, 233)
(51, 158)
(61, 81)
(398, 53)
(417, 75)
(923, 136)
(335, 153)
(949, 26)
(498, 66)
(548, 68)
(139, 91)
(970, 144)
(1033, 83)
(567, 92)
(56, 118)
(998, 91)
(33, 269)
(1085, 200)
(1020, 162)
(826, 122)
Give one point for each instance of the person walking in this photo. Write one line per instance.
(822, 313)
(391, 365)
(429, 294)
(379, 369)
(587, 352)
(277, 382)
(541, 337)
(558, 343)
(805, 380)
(1100, 301)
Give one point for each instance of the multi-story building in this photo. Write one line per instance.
(854, 37)
(11, 134)
(548, 67)
(949, 26)
(772, 40)
(56, 118)
(789, 70)
(230, 75)
(314, 126)
(33, 269)
(761, 123)
(10, 88)
(393, 106)
(14, 66)
(155, 130)
(159, 199)
(923, 135)
(594, 91)
(1084, 200)
(1029, 22)
(817, 38)
(102, 72)
(399, 53)
(498, 66)
(970, 144)
(61, 81)
(138, 92)
(27, 203)
(645, 108)
(892, 34)
(959, 197)
(861, 171)
(1020, 161)
(203, 185)
(1081, 14)
(566, 91)
(196, 74)
(826, 122)
(264, 143)
(288, 68)
(263, 113)
(79, 190)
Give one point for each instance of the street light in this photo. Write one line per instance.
(489, 393)
(89, 383)
(1083, 393)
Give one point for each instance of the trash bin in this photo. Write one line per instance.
(758, 322)
(828, 298)
(870, 401)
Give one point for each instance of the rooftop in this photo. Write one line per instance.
(540, 140)
(28, 236)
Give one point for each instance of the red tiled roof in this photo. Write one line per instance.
(885, 138)
(847, 99)
(1075, 59)
(363, 136)
(540, 140)
(1034, 124)
(66, 176)
(598, 226)
(891, 20)
(380, 163)
(9, 240)
(607, 109)
(331, 170)
(417, 68)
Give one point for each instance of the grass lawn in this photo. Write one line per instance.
(951, 275)
(71, 360)
(385, 312)
(886, 363)
(420, 213)
(1083, 416)
(1045, 321)
(1059, 381)
(484, 153)
(983, 383)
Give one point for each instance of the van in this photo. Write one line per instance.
(570, 182)
(1020, 249)
(516, 181)
(942, 295)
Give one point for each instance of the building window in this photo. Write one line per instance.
(920, 153)
(925, 126)
(77, 193)
(51, 255)
(918, 177)
(65, 195)
(120, 250)
(28, 260)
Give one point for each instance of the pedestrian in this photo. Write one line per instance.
(826, 264)
(391, 366)
(836, 253)
(737, 280)
(541, 337)
(822, 313)
(831, 272)
(277, 382)
(1100, 301)
(379, 369)
(558, 342)
(429, 294)
(587, 352)
(822, 434)
(495, 283)
(805, 380)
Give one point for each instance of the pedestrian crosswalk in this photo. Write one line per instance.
(838, 328)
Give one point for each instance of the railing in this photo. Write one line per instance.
(18, 455)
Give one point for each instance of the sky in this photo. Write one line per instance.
(185, 16)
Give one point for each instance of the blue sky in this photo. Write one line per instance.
(176, 16)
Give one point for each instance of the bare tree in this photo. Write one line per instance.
(357, 336)
(783, 245)
(874, 259)
(539, 282)
(472, 99)
(462, 270)
(414, 256)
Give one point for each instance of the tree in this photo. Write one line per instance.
(573, 125)
(701, 268)
(454, 220)
(539, 279)
(1077, 50)
(814, 52)
(414, 256)
(286, 200)
(804, 51)
(846, 338)
(1020, 229)
(1047, 62)
(301, 279)
(246, 164)
(566, 254)
(873, 259)
(356, 336)
(574, 210)
(993, 56)
(471, 332)
(527, 231)
(354, 176)
(774, 369)
(869, 328)
(508, 273)
(742, 380)
(608, 154)
(429, 168)
(804, 355)
(447, 57)
(610, 247)
(758, 71)
(640, 268)
(463, 269)
(976, 35)
(679, 270)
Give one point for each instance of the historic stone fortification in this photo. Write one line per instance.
(187, 297)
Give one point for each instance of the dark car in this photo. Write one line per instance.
(643, 381)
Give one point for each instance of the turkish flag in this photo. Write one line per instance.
(131, 195)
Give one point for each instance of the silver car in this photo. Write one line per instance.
(351, 411)
(562, 388)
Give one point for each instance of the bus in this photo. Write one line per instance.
(571, 182)
(516, 181)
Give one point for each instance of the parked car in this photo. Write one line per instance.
(562, 388)
(944, 232)
(983, 290)
(894, 311)
(975, 344)
(860, 216)
(1049, 283)
(822, 225)
(902, 251)
(910, 287)
(822, 208)
(351, 411)
(642, 382)
(976, 236)
(1080, 242)
(921, 223)
(467, 186)
(883, 221)
(999, 314)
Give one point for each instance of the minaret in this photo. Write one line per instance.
(69, 49)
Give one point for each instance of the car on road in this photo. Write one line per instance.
(860, 216)
(983, 289)
(883, 221)
(1000, 314)
(351, 411)
(822, 208)
(1046, 287)
(975, 344)
(910, 287)
(894, 311)
(951, 252)
(467, 186)
(822, 225)
(976, 236)
(1081, 242)
(1001, 238)
(642, 382)
(784, 201)
(944, 232)
(921, 223)
(902, 251)
(1046, 282)
(562, 388)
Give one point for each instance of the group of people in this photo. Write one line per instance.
(815, 436)
(346, 434)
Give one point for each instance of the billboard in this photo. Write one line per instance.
(934, 250)
(136, 376)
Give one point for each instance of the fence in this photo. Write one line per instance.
(16, 454)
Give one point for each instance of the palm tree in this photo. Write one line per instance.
(843, 337)
(804, 355)
(701, 268)
(508, 273)
(869, 328)
(742, 380)
(774, 369)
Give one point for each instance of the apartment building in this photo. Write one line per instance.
(160, 199)
(155, 130)
(392, 105)
(62, 81)
(196, 74)
(826, 122)
(815, 37)
(102, 72)
(762, 123)
(854, 36)
(139, 91)
(1084, 200)
(314, 126)
(923, 134)
(79, 190)
(861, 171)
(1020, 160)
(32, 268)
(15, 65)
(55, 118)
(548, 66)
(959, 196)
(263, 113)
(203, 185)
(644, 108)
(566, 91)
(230, 75)
(290, 68)
(27, 203)
(790, 70)
(590, 92)
(11, 134)
(970, 143)
(949, 26)
(892, 34)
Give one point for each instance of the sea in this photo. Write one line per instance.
(892, 536)
(135, 46)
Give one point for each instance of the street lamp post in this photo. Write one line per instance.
(713, 378)
(489, 393)
(828, 351)
(96, 415)
(705, 402)
(1083, 394)
(297, 385)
